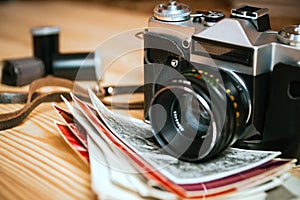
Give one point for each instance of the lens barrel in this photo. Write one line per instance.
(197, 117)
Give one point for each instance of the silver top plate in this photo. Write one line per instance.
(290, 35)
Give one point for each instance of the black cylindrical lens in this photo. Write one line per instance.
(195, 117)
(74, 66)
(45, 44)
(183, 122)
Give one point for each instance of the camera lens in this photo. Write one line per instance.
(195, 115)
(184, 130)
(202, 116)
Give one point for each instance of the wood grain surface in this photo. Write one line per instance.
(35, 162)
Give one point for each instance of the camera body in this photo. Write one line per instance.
(233, 68)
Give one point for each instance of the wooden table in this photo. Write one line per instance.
(35, 162)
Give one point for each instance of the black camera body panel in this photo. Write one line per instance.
(281, 128)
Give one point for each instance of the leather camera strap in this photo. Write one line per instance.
(35, 97)
(11, 119)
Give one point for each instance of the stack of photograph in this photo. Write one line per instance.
(126, 163)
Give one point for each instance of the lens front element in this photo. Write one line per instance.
(196, 118)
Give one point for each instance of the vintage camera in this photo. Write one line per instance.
(47, 60)
(212, 82)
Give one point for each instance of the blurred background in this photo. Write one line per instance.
(278, 8)
(85, 23)
(282, 12)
